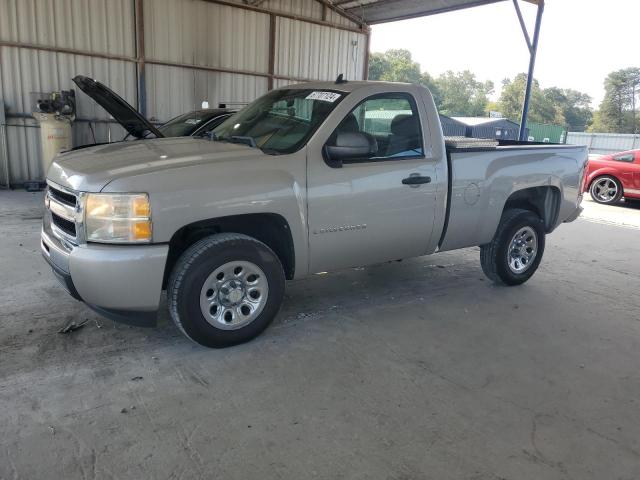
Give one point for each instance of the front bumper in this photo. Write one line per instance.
(123, 283)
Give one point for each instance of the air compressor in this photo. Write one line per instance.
(55, 112)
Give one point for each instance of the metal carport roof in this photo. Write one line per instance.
(381, 11)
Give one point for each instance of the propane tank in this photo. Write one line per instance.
(54, 112)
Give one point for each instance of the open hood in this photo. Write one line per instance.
(127, 116)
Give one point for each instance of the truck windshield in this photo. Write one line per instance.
(280, 121)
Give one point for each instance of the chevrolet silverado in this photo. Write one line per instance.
(308, 178)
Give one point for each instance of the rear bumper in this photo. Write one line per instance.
(123, 283)
(574, 215)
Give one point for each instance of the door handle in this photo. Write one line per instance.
(415, 179)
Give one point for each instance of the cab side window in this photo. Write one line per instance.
(390, 122)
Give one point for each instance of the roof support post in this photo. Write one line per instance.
(140, 57)
(272, 51)
(532, 62)
(367, 47)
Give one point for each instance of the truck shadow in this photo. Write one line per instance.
(432, 289)
(326, 297)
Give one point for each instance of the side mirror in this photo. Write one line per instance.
(348, 146)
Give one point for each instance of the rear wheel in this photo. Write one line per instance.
(516, 250)
(225, 289)
(606, 190)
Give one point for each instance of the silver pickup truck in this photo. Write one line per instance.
(308, 178)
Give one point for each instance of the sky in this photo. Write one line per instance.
(581, 41)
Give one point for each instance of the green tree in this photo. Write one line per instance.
(429, 82)
(398, 66)
(573, 106)
(462, 95)
(541, 109)
(491, 106)
(394, 66)
(378, 66)
(618, 111)
(596, 123)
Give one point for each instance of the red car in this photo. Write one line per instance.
(611, 177)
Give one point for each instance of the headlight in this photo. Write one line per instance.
(118, 218)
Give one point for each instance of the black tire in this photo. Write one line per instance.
(615, 199)
(193, 268)
(494, 255)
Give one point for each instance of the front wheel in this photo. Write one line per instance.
(225, 289)
(516, 250)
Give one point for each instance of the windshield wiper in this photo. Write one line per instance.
(249, 141)
(245, 140)
(211, 135)
(271, 151)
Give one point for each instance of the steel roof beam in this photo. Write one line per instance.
(532, 63)
(522, 25)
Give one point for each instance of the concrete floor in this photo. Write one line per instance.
(419, 369)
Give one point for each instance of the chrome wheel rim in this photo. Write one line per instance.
(523, 249)
(604, 189)
(234, 295)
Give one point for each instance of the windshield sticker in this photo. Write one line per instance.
(324, 96)
(192, 121)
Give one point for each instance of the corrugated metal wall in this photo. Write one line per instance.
(93, 26)
(97, 26)
(317, 52)
(23, 71)
(206, 34)
(305, 9)
(194, 50)
(604, 143)
(175, 90)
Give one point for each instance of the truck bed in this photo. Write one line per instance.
(481, 178)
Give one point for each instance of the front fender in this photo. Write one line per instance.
(268, 185)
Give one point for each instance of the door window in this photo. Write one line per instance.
(392, 124)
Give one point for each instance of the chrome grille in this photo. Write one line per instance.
(63, 224)
(62, 205)
(62, 197)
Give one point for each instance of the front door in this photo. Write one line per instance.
(636, 173)
(378, 207)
